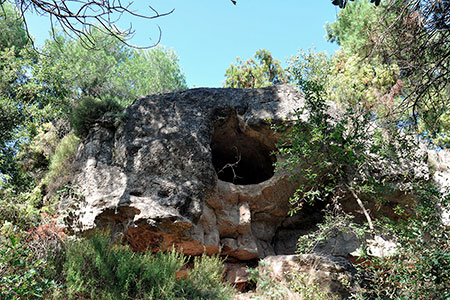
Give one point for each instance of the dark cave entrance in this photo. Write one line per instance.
(238, 156)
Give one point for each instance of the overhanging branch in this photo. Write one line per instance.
(80, 17)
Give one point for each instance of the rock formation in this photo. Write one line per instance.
(194, 170)
(332, 275)
(440, 168)
(191, 169)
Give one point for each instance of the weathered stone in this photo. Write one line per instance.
(191, 169)
(236, 274)
(336, 276)
(380, 246)
(439, 161)
(194, 170)
(340, 244)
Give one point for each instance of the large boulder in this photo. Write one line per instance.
(194, 170)
(322, 274)
(190, 169)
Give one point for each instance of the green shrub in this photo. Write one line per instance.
(21, 271)
(421, 267)
(59, 170)
(205, 280)
(348, 156)
(63, 153)
(95, 269)
(299, 287)
(19, 208)
(91, 109)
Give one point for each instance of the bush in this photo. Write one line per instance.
(18, 208)
(97, 270)
(90, 109)
(205, 280)
(362, 156)
(21, 271)
(421, 267)
(63, 153)
(59, 171)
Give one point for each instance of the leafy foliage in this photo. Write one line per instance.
(90, 109)
(332, 225)
(355, 155)
(310, 68)
(351, 28)
(414, 80)
(347, 151)
(262, 71)
(358, 75)
(19, 208)
(420, 268)
(12, 33)
(205, 280)
(63, 152)
(21, 272)
(93, 268)
(300, 286)
(90, 83)
(20, 116)
(111, 69)
(96, 270)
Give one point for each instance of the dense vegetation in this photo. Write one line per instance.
(48, 100)
(392, 99)
(390, 106)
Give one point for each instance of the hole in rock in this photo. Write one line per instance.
(136, 193)
(240, 157)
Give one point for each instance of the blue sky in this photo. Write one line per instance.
(208, 35)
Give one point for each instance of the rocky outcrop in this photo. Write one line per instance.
(191, 169)
(314, 272)
(194, 170)
(439, 161)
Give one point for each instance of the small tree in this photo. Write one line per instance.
(354, 153)
(262, 71)
(338, 153)
(402, 55)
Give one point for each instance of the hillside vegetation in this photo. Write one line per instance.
(390, 78)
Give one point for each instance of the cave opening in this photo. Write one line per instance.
(239, 156)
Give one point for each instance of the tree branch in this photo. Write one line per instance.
(80, 17)
(361, 205)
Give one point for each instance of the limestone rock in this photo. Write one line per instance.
(237, 275)
(440, 165)
(333, 275)
(194, 170)
(190, 169)
(348, 244)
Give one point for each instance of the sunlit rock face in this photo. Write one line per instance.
(333, 276)
(439, 161)
(190, 169)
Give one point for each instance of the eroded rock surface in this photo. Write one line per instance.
(334, 275)
(440, 166)
(191, 169)
(194, 170)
